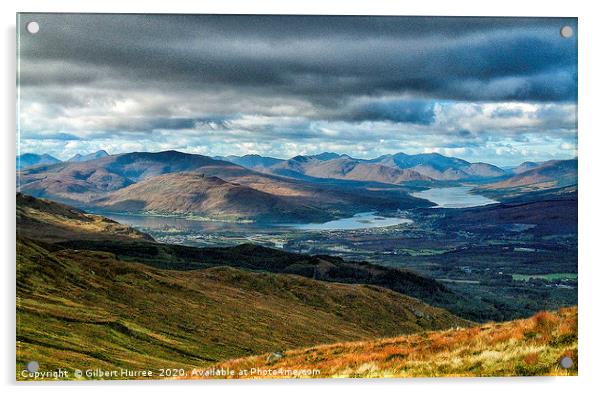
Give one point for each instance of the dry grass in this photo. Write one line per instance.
(523, 347)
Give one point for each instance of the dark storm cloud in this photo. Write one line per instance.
(288, 85)
(463, 133)
(324, 60)
(55, 136)
(400, 111)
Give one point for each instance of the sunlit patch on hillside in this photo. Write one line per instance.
(527, 347)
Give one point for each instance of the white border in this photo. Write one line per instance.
(590, 170)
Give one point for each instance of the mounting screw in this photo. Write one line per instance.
(566, 31)
(566, 362)
(33, 366)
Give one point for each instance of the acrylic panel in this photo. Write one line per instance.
(272, 196)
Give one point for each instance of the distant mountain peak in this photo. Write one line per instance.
(526, 166)
(326, 156)
(32, 159)
(301, 158)
(96, 155)
(251, 160)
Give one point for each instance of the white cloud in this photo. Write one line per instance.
(504, 132)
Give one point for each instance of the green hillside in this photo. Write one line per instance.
(87, 309)
(64, 227)
(52, 222)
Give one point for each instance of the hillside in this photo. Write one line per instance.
(325, 268)
(88, 309)
(549, 216)
(548, 175)
(53, 222)
(527, 347)
(70, 183)
(483, 170)
(70, 229)
(31, 159)
(83, 182)
(525, 166)
(195, 194)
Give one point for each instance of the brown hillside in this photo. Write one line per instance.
(197, 194)
(551, 174)
(522, 347)
(345, 168)
(53, 222)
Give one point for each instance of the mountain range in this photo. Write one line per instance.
(302, 189)
(344, 167)
(251, 161)
(396, 169)
(439, 167)
(108, 182)
(535, 176)
(96, 155)
(31, 159)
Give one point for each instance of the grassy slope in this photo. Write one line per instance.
(324, 268)
(69, 228)
(51, 222)
(523, 347)
(86, 309)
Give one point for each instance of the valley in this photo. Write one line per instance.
(219, 238)
(479, 262)
(478, 247)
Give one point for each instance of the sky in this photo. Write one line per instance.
(498, 90)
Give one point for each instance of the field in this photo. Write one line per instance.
(548, 277)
